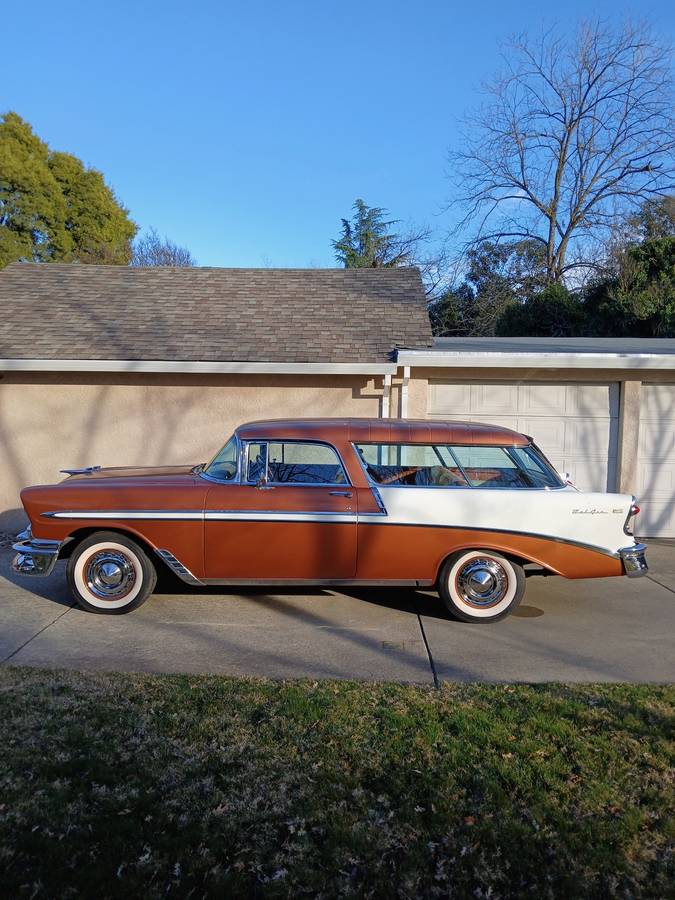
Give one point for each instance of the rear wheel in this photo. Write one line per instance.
(481, 585)
(109, 573)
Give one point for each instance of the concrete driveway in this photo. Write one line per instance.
(613, 629)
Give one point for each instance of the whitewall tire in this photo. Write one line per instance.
(109, 573)
(481, 585)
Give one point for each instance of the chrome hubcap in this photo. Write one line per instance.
(110, 575)
(482, 582)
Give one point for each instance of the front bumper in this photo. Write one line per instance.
(634, 560)
(35, 556)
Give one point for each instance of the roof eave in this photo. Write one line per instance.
(445, 359)
(196, 367)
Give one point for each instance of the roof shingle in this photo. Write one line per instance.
(71, 311)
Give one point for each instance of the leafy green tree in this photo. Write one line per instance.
(552, 312)
(655, 219)
(53, 208)
(639, 301)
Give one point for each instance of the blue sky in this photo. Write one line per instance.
(244, 131)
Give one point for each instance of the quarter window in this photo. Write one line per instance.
(536, 468)
(294, 462)
(438, 465)
(491, 467)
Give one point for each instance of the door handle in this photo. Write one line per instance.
(340, 493)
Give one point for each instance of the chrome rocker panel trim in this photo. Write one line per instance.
(634, 560)
(320, 582)
(35, 556)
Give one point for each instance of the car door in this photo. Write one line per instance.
(291, 516)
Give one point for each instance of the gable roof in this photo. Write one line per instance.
(58, 311)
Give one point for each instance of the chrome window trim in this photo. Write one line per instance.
(246, 462)
(443, 487)
(267, 441)
(461, 469)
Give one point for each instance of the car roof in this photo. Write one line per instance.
(395, 431)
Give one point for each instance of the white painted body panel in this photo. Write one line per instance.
(593, 519)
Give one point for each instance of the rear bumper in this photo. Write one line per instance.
(35, 556)
(634, 560)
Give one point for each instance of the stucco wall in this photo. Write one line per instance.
(49, 422)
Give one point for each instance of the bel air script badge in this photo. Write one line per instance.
(590, 512)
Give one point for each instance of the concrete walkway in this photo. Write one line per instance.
(613, 629)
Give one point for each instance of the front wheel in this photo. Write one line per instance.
(109, 573)
(480, 585)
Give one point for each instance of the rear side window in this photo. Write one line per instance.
(421, 465)
(438, 465)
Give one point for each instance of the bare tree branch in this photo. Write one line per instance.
(151, 250)
(571, 136)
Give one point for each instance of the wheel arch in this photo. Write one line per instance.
(76, 537)
(495, 547)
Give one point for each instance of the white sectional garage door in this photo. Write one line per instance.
(656, 461)
(576, 425)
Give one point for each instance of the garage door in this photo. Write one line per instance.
(576, 425)
(656, 461)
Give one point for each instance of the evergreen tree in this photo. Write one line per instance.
(367, 242)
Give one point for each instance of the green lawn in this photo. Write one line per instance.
(154, 786)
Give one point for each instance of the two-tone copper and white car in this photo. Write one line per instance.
(466, 507)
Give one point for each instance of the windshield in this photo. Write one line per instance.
(223, 466)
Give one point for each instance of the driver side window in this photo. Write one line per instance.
(294, 462)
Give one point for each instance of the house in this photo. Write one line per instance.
(110, 365)
(103, 365)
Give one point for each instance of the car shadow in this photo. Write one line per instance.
(422, 602)
(54, 587)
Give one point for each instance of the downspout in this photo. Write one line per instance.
(386, 397)
(404, 392)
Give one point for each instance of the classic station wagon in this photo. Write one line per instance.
(469, 508)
